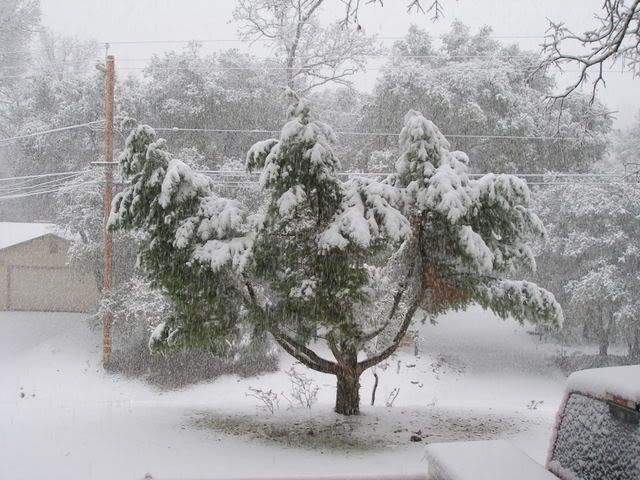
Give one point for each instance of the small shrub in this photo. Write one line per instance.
(268, 398)
(303, 389)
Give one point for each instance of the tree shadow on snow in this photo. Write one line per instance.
(376, 428)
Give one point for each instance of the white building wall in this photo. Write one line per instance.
(34, 275)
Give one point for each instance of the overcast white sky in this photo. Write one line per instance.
(174, 20)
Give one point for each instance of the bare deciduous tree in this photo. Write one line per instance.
(352, 8)
(312, 55)
(616, 38)
(63, 56)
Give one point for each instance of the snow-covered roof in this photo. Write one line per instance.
(13, 233)
(485, 460)
(598, 382)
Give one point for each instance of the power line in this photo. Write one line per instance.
(497, 56)
(461, 68)
(47, 191)
(71, 185)
(266, 40)
(258, 69)
(382, 134)
(5, 141)
(536, 184)
(19, 183)
(25, 188)
(45, 132)
(41, 175)
(239, 40)
(45, 70)
(244, 172)
(524, 175)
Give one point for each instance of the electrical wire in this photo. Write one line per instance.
(381, 134)
(258, 69)
(5, 141)
(5, 189)
(494, 56)
(56, 188)
(46, 132)
(542, 184)
(243, 172)
(47, 191)
(239, 40)
(41, 175)
(17, 183)
(368, 55)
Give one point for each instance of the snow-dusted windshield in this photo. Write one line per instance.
(593, 444)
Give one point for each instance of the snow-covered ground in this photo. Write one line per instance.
(62, 417)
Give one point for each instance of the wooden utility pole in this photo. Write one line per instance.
(108, 195)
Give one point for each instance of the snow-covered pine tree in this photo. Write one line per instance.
(194, 247)
(317, 237)
(347, 263)
(470, 235)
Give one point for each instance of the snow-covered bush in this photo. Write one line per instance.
(269, 400)
(137, 309)
(303, 389)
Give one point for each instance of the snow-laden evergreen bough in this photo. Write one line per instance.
(348, 264)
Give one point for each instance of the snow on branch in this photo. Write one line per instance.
(616, 38)
(522, 300)
(257, 154)
(177, 206)
(217, 254)
(181, 183)
(469, 232)
(313, 55)
(369, 211)
(352, 8)
(436, 179)
(474, 246)
(318, 161)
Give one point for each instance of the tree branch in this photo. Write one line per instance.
(387, 352)
(304, 354)
(334, 349)
(617, 37)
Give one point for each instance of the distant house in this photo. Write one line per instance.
(34, 271)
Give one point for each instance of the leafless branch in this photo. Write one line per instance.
(314, 55)
(352, 8)
(616, 38)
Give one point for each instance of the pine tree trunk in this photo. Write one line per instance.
(348, 393)
(348, 387)
(603, 339)
(634, 346)
(604, 346)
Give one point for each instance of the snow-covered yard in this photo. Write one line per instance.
(63, 417)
